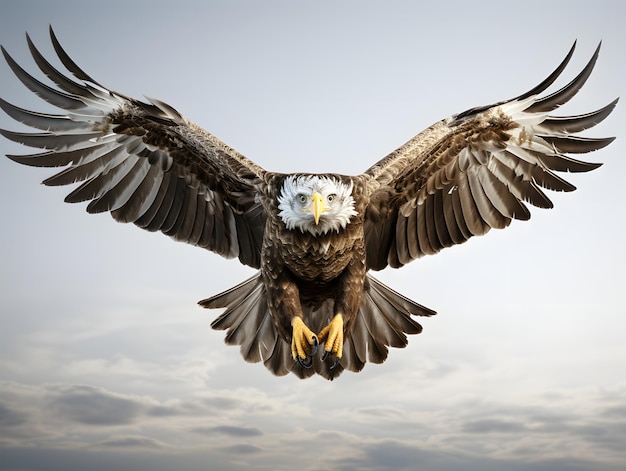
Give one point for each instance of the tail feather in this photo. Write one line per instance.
(400, 302)
(252, 340)
(246, 318)
(250, 308)
(262, 343)
(383, 321)
(376, 348)
(279, 361)
(357, 343)
(354, 353)
(240, 331)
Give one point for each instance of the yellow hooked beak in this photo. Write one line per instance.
(317, 206)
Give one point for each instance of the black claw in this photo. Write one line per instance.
(306, 362)
(336, 361)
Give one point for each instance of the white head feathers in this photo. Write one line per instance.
(300, 195)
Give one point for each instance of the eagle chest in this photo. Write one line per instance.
(311, 258)
(306, 255)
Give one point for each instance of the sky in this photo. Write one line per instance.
(106, 361)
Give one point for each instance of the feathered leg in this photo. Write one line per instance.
(347, 302)
(286, 311)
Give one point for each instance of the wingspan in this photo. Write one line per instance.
(143, 162)
(475, 171)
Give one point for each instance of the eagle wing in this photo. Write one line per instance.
(475, 171)
(143, 162)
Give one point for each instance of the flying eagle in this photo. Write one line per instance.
(313, 306)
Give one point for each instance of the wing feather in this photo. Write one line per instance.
(565, 94)
(198, 225)
(427, 223)
(413, 236)
(573, 124)
(52, 96)
(476, 171)
(153, 218)
(143, 197)
(470, 211)
(439, 209)
(142, 161)
(424, 239)
(407, 238)
(452, 227)
(120, 186)
(94, 162)
(458, 213)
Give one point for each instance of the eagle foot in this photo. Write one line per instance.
(332, 336)
(304, 343)
(335, 363)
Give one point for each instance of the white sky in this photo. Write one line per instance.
(105, 359)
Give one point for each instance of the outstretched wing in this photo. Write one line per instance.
(475, 171)
(143, 162)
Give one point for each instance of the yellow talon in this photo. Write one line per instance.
(332, 336)
(303, 342)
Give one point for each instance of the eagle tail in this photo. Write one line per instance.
(384, 320)
(249, 324)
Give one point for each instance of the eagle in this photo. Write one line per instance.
(313, 306)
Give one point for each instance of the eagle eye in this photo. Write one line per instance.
(301, 197)
(331, 198)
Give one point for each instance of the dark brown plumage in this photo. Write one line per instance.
(313, 238)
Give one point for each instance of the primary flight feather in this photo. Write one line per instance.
(312, 307)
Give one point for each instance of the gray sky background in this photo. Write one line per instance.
(107, 362)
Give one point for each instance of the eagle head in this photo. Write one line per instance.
(315, 204)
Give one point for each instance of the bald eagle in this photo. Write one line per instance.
(313, 306)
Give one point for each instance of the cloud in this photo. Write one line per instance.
(219, 402)
(93, 406)
(132, 442)
(615, 412)
(546, 433)
(379, 413)
(493, 425)
(230, 430)
(242, 449)
(10, 417)
(177, 408)
(395, 455)
(247, 413)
